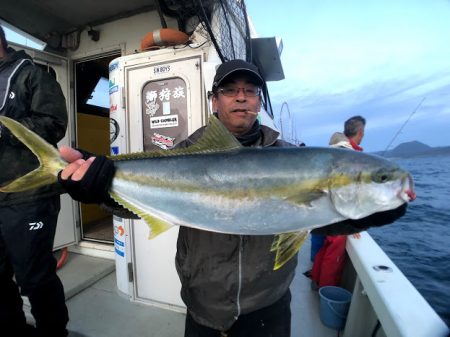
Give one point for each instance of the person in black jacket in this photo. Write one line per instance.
(28, 219)
(228, 282)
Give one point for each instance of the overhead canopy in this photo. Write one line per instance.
(50, 19)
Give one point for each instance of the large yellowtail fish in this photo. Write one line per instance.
(218, 185)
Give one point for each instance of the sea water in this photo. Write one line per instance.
(419, 242)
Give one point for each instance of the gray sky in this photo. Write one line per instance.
(378, 59)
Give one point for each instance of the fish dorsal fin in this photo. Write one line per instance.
(286, 245)
(215, 138)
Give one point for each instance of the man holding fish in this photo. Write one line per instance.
(228, 282)
(28, 220)
(230, 187)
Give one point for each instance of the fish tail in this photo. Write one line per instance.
(49, 159)
(286, 246)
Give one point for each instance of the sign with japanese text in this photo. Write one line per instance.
(164, 113)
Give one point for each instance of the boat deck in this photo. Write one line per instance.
(98, 309)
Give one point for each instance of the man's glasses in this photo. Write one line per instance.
(233, 92)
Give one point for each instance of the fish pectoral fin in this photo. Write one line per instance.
(156, 224)
(286, 246)
(305, 199)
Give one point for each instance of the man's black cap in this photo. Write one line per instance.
(228, 68)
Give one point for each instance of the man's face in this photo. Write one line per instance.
(359, 136)
(238, 113)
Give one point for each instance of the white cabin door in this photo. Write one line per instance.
(165, 105)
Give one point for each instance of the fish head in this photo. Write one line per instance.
(361, 188)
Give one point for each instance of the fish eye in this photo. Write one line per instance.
(380, 176)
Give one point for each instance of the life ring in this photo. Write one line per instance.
(163, 37)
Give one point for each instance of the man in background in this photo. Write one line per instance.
(328, 252)
(28, 220)
(352, 136)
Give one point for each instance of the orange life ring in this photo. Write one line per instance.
(163, 37)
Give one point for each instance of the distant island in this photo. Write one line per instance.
(413, 149)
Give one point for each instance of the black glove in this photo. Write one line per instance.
(94, 186)
(350, 226)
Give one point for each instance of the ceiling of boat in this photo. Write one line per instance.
(46, 18)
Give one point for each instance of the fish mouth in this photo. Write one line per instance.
(407, 192)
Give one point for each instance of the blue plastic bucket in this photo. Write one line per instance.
(334, 305)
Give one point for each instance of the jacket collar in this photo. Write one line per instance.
(12, 56)
(268, 136)
(354, 145)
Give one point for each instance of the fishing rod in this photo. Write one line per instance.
(404, 124)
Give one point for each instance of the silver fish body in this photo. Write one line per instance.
(217, 185)
(262, 191)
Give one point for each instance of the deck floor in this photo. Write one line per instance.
(98, 309)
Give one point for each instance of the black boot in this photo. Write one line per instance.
(12, 318)
(49, 309)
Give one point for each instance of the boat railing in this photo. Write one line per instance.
(384, 300)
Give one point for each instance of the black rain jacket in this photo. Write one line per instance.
(32, 97)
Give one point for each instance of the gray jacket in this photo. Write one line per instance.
(224, 276)
(338, 139)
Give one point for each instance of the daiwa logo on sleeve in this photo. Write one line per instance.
(34, 226)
